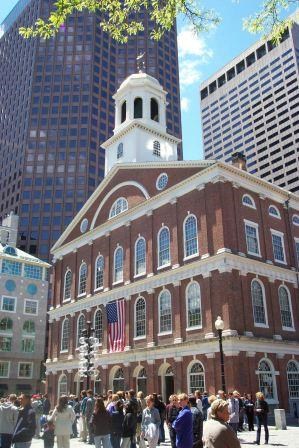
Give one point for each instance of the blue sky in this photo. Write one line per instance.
(201, 56)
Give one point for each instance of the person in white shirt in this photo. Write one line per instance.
(63, 418)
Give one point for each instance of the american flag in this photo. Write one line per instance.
(116, 325)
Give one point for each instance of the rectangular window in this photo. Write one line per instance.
(8, 304)
(252, 238)
(11, 267)
(30, 307)
(278, 246)
(31, 271)
(297, 251)
(25, 370)
(5, 344)
(4, 369)
(28, 345)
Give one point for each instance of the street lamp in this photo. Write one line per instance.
(87, 349)
(219, 325)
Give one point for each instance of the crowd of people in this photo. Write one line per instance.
(126, 420)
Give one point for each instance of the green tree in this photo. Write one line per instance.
(120, 21)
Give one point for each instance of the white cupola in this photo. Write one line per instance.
(140, 124)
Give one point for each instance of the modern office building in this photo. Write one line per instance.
(170, 245)
(252, 105)
(23, 310)
(56, 110)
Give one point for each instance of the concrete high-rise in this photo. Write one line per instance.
(56, 110)
(252, 105)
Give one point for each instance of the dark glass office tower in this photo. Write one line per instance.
(56, 109)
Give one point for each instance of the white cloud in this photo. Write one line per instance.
(191, 44)
(189, 72)
(185, 104)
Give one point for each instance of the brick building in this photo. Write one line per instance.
(182, 242)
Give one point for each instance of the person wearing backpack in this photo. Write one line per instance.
(261, 412)
(197, 423)
(172, 411)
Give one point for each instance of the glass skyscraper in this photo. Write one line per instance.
(56, 109)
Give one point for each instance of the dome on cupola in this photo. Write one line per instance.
(140, 133)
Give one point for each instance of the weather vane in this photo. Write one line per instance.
(140, 62)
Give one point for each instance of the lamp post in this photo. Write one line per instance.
(219, 325)
(88, 348)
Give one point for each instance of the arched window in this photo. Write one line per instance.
(67, 285)
(119, 381)
(138, 108)
(6, 324)
(266, 380)
(163, 247)
(82, 278)
(285, 308)
(293, 379)
(193, 305)
(154, 110)
(98, 325)
(196, 378)
(62, 385)
(119, 206)
(273, 211)
(140, 253)
(142, 381)
(120, 151)
(80, 327)
(258, 303)
(157, 148)
(190, 236)
(65, 334)
(118, 264)
(295, 220)
(140, 317)
(165, 314)
(123, 112)
(248, 201)
(29, 327)
(99, 274)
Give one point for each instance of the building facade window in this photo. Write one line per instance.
(80, 327)
(258, 304)
(31, 307)
(196, 378)
(293, 379)
(118, 264)
(156, 148)
(140, 318)
(163, 247)
(65, 335)
(98, 325)
(5, 343)
(142, 381)
(6, 324)
(297, 250)
(25, 370)
(278, 246)
(120, 151)
(11, 267)
(62, 386)
(99, 274)
(123, 112)
(248, 201)
(193, 302)
(67, 285)
(31, 271)
(285, 308)
(154, 110)
(82, 279)
(8, 304)
(266, 378)
(190, 236)
(138, 108)
(252, 238)
(162, 181)
(119, 206)
(4, 369)
(29, 327)
(118, 380)
(165, 312)
(28, 345)
(273, 211)
(140, 256)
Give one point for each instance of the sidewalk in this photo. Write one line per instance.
(287, 438)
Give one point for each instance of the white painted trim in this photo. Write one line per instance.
(15, 305)
(251, 199)
(116, 282)
(266, 324)
(4, 361)
(256, 226)
(79, 279)
(61, 336)
(160, 333)
(95, 273)
(258, 372)
(69, 298)
(31, 314)
(292, 328)
(190, 215)
(158, 246)
(189, 367)
(188, 328)
(277, 216)
(281, 235)
(135, 258)
(25, 362)
(135, 319)
(77, 329)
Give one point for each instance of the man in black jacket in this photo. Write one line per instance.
(26, 425)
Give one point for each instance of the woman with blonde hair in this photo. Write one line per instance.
(261, 411)
(63, 418)
(210, 401)
(216, 432)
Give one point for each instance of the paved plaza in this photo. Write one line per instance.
(287, 438)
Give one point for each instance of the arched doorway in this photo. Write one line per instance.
(141, 381)
(169, 383)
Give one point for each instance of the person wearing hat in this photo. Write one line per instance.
(216, 432)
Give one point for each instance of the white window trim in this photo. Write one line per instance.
(292, 328)
(142, 336)
(79, 277)
(258, 325)
(139, 338)
(9, 297)
(163, 266)
(135, 258)
(101, 288)
(184, 236)
(253, 224)
(158, 244)
(117, 282)
(191, 364)
(94, 323)
(296, 362)
(25, 362)
(31, 314)
(77, 329)
(162, 333)
(8, 370)
(251, 198)
(295, 224)
(196, 327)
(114, 203)
(61, 337)
(274, 374)
(68, 299)
(271, 214)
(95, 274)
(281, 235)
